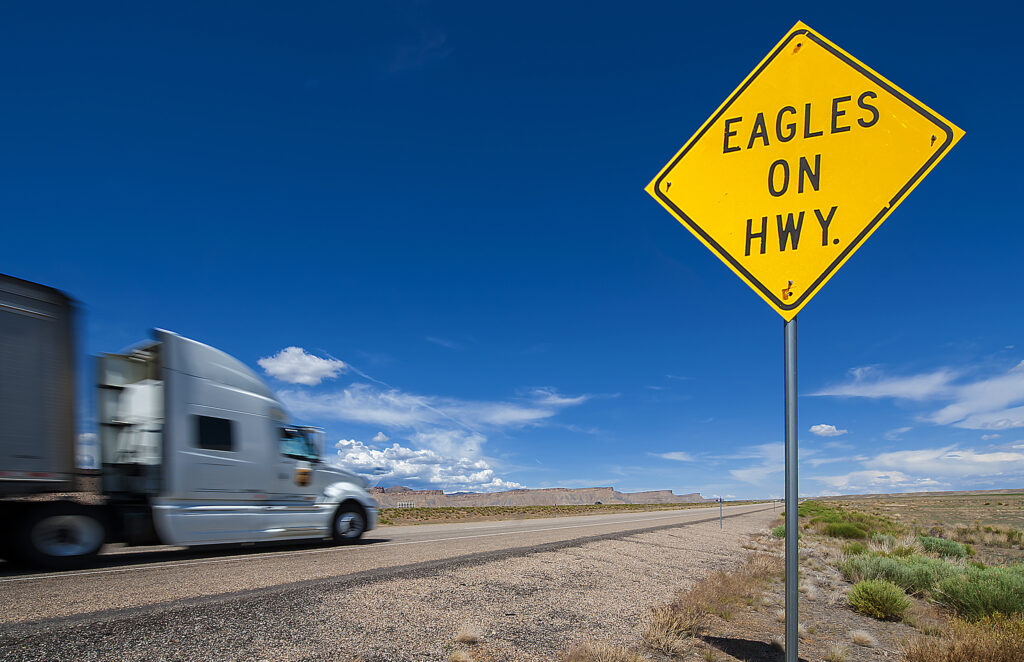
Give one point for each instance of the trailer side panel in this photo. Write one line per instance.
(37, 424)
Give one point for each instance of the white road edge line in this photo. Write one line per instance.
(243, 557)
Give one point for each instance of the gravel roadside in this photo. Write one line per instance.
(524, 607)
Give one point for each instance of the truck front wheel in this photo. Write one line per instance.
(60, 535)
(349, 523)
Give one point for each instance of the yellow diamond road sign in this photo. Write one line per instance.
(798, 167)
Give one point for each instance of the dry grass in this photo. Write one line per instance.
(925, 617)
(998, 639)
(667, 630)
(468, 634)
(863, 638)
(720, 593)
(589, 652)
(836, 595)
(809, 590)
(669, 627)
(838, 653)
(763, 566)
(476, 655)
(904, 545)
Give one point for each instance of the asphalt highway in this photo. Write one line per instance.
(128, 581)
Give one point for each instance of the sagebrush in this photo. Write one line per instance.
(879, 599)
(981, 592)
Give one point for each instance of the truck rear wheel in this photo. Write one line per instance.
(60, 535)
(349, 523)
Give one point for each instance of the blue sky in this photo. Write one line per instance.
(442, 206)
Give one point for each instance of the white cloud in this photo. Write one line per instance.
(451, 442)
(679, 456)
(982, 404)
(986, 437)
(295, 366)
(990, 403)
(818, 461)
(446, 434)
(868, 383)
(397, 464)
(363, 403)
(896, 433)
(447, 344)
(927, 468)
(769, 464)
(825, 430)
(550, 397)
(873, 480)
(1003, 419)
(497, 414)
(951, 462)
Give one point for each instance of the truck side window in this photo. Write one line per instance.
(214, 434)
(297, 445)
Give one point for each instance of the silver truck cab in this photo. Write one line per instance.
(197, 450)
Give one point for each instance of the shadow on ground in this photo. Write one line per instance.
(746, 649)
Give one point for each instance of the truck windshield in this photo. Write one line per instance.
(298, 444)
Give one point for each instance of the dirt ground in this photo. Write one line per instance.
(537, 608)
(754, 633)
(530, 608)
(1003, 508)
(830, 630)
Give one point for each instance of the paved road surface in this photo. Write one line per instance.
(154, 579)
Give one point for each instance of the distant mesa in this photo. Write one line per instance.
(400, 496)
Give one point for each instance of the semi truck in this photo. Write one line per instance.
(196, 449)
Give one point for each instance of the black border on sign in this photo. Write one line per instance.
(870, 226)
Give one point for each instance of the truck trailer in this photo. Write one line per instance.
(196, 449)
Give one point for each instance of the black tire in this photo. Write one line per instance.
(349, 523)
(8, 525)
(59, 535)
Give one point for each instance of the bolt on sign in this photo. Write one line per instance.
(798, 167)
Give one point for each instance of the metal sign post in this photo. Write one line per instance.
(788, 178)
(792, 555)
(719, 512)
